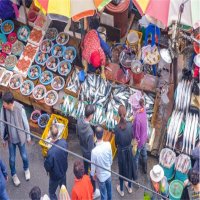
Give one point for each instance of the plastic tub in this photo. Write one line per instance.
(35, 115)
(43, 120)
(175, 190)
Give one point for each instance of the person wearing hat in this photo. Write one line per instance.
(93, 55)
(196, 66)
(159, 181)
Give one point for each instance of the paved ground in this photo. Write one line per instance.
(40, 178)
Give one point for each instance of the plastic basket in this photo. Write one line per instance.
(113, 146)
(180, 176)
(64, 134)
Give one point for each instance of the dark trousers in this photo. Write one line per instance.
(53, 185)
(106, 189)
(87, 168)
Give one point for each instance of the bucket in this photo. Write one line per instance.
(120, 14)
(181, 176)
(102, 32)
(175, 190)
(121, 77)
(169, 172)
(137, 71)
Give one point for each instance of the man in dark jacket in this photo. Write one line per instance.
(86, 137)
(3, 178)
(56, 163)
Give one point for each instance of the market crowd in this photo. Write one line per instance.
(130, 139)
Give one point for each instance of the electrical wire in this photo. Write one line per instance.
(82, 158)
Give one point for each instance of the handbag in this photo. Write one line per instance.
(6, 133)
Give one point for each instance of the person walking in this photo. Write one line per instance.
(102, 156)
(82, 188)
(140, 135)
(86, 137)
(3, 179)
(14, 113)
(123, 138)
(56, 163)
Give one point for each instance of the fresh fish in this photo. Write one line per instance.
(74, 83)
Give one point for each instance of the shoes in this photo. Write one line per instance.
(15, 180)
(27, 175)
(119, 191)
(96, 194)
(128, 188)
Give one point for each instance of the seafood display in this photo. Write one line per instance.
(6, 47)
(35, 115)
(41, 58)
(74, 84)
(36, 36)
(3, 40)
(10, 62)
(46, 46)
(183, 163)
(39, 92)
(23, 33)
(34, 72)
(7, 26)
(62, 38)
(30, 51)
(22, 65)
(183, 95)
(69, 54)
(95, 90)
(51, 98)
(12, 37)
(80, 112)
(64, 68)
(16, 81)
(68, 105)
(173, 130)
(99, 116)
(190, 133)
(51, 34)
(40, 22)
(2, 58)
(58, 83)
(52, 63)
(27, 87)
(5, 78)
(57, 50)
(46, 77)
(17, 48)
(167, 158)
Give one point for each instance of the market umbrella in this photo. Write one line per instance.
(75, 9)
(166, 11)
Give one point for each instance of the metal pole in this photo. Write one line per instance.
(82, 158)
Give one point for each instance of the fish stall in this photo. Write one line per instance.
(40, 65)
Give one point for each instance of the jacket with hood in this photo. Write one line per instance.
(86, 137)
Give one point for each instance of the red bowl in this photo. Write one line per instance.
(32, 15)
(197, 46)
(12, 37)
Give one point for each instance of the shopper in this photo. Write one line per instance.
(102, 156)
(56, 164)
(35, 194)
(140, 135)
(196, 156)
(92, 53)
(3, 179)
(86, 137)
(123, 138)
(14, 113)
(193, 191)
(159, 181)
(82, 188)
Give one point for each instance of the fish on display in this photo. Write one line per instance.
(99, 116)
(167, 157)
(80, 112)
(68, 105)
(74, 83)
(183, 163)
(190, 134)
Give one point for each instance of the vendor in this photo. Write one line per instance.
(93, 55)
